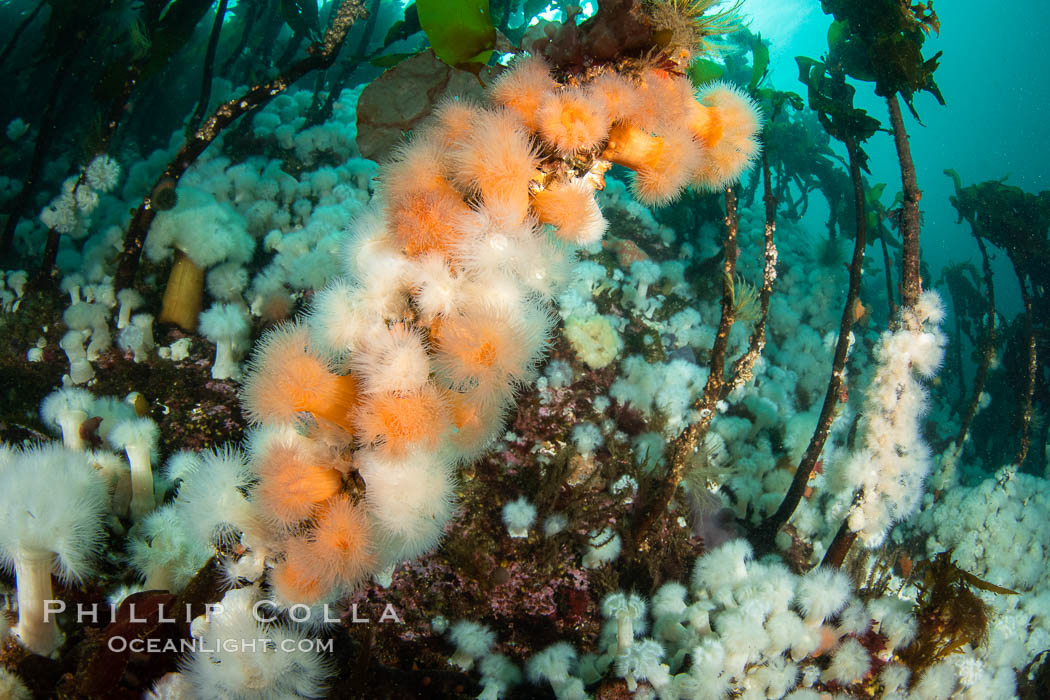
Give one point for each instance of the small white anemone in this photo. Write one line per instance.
(52, 502)
(518, 516)
(227, 326)
(628, 611)
(67, 409)
(138, 438)
(473, 640)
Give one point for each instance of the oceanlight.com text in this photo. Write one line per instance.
(230, 646)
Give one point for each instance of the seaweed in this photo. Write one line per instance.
(1017, 222)
(302, 17)
(460, 31)
(1009, 218)
(832, 97)
(799, 153)
(1034, 679)
(881, 41)
(950, 614)
(322, 55)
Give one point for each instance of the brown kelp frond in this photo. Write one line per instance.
(950, 614)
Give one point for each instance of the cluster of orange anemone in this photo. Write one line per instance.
(407, 365)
